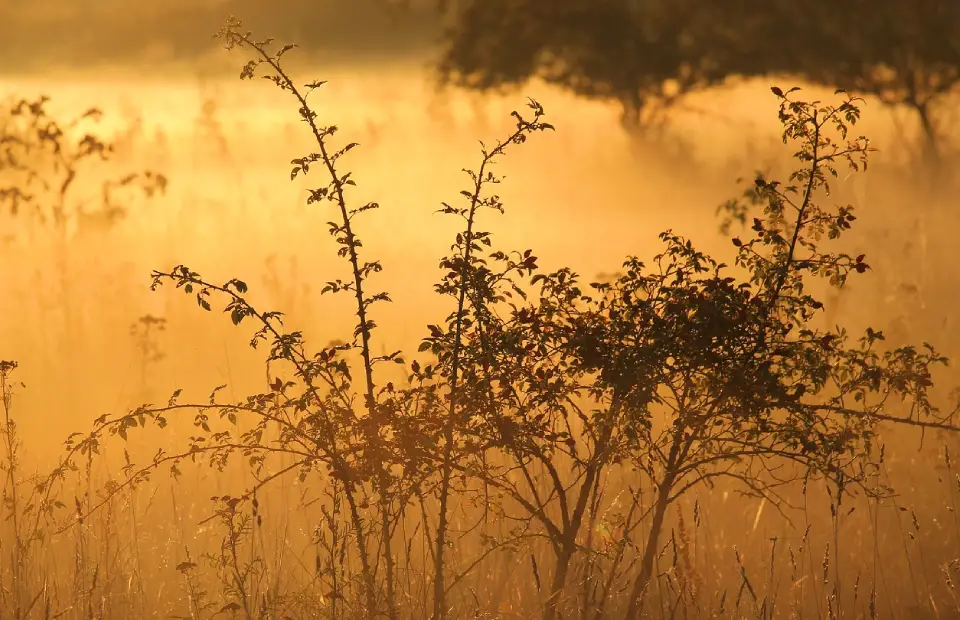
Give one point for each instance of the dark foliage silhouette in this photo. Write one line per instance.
(647, 55)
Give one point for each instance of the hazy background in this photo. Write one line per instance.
(585, 196)
(107, 34)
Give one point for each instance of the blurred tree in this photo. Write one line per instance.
(646, 54)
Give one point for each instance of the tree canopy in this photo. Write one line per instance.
(646, 54)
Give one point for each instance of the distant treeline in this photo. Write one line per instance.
(83, 34)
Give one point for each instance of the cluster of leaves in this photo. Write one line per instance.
(540, 389)
(684, 370)
(41, 159)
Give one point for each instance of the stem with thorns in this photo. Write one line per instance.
(467, 243)
(346, 237)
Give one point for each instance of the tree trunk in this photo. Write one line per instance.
(388, 559)
(370, 587)
(564, 558)
(931, 146)
(638, 593)
(568, 544)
